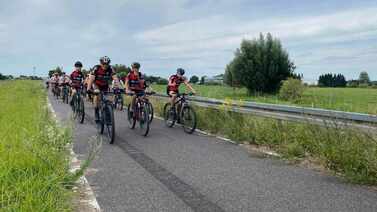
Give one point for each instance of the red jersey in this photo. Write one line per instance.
(103, 78)
(136, 82)
(177, 80)
(77, 78)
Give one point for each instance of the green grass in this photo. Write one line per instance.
(348, 152)
(34, 163)
(362, 100)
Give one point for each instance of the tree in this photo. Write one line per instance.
(121, 70)
(58, 70)
(194, 79)
(364, 78)
(332, 80)
(202, 80)
(260, 65)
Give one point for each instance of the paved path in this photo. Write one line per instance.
(173, 171)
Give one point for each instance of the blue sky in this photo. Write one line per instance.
(201, 36)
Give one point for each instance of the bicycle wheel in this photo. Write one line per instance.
(188, 119)
(101, 122)
(144, 120)
(169, 115)
(120, 103)
(81, 110)
(151, 112)
(109, 122)
(130, 117)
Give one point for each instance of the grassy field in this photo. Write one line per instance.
(361, 100)
(34, 167)
(347, 152)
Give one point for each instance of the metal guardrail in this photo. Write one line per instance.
(284, 111)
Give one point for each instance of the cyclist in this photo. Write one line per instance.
(54, 80)
(63, 81)
(135, 84)
(77, 78)
(101, 78)
(174, 82)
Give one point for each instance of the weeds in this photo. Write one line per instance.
(346, 151)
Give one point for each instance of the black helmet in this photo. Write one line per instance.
(105, 60)
(78, 64)
(181, 71)
(135, 65)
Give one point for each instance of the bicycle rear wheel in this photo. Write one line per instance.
(130, 117)
(188, 119)
(169, 115)
(110, 123)
(144, 120)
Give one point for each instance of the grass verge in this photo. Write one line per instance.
(362, 100)
(346, 151)
(34, 167)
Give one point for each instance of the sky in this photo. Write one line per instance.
(201, 36)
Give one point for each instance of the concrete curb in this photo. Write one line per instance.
(90, 203)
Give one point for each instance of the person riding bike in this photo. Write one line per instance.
(174, 82)
(135, 83)
(101, 77)
(77, 78)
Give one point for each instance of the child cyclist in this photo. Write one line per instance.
(135, 83)
(174, 82)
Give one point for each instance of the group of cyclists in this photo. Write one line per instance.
(103, 80)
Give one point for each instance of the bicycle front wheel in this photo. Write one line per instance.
(130, 117)
(151, 112)
(144, 120)
(188, 119)
(81, 110)
(110, 123)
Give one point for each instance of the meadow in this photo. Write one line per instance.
(362, 100)
(34, 163)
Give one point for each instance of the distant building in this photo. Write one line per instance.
(218, 79)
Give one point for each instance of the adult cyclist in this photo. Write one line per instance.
(174, 82)
(77, 78)
(101, 78)
(135, 83)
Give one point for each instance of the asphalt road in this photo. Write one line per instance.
(174, 171)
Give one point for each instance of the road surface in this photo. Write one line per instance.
(174, 171)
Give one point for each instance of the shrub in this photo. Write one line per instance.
(292, 90)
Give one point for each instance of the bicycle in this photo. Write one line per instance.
(140, 113)
(106, 116)
(118, 99)
(182, 112)
(65, 93)
(78, 106)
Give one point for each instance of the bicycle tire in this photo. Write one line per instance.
(169, 118)
(151, 112)
(131, 119)
(144, 120)
(188, 114)
(81, 110)
(110, 123)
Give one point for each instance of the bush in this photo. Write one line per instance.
(363, 85)
(260, 65)
(292, 90)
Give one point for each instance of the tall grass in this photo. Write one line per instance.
(34, 163)
(346, 151)
(363, 100)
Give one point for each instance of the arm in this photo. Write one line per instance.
(189, 86)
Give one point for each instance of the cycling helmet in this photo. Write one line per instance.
(135, 65)
(181, 71)
(78, 64)
(105, 60)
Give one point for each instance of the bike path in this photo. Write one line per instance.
(173, 171)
